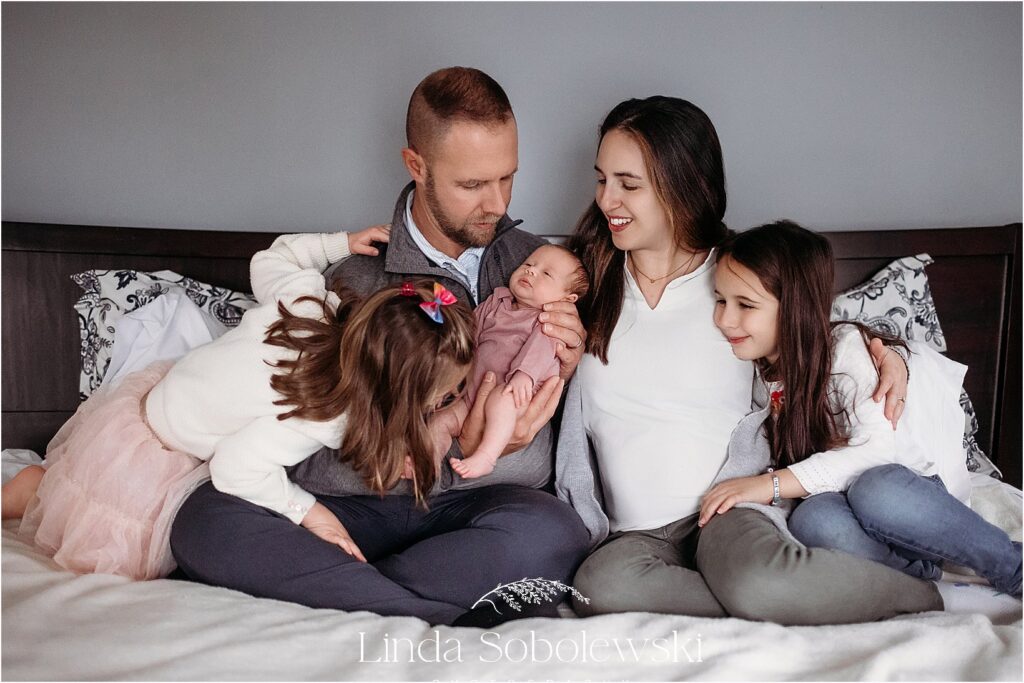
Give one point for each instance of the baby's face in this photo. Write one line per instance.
(544, 277)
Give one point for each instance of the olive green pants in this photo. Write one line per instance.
(741, 565)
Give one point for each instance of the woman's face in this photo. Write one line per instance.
(625, 194)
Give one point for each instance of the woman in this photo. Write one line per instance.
(659, 393)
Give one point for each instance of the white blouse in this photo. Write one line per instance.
(660, 414)
(929, 435)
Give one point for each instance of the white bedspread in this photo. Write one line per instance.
(58, 626)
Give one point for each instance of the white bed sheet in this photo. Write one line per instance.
(58, 626)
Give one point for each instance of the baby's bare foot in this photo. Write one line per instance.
(473, 467)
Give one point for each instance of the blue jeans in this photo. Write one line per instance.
(895, 516)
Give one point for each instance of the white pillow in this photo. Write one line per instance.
(931, 428)
(165, 329)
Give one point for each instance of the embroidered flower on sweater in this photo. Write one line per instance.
(778, 399)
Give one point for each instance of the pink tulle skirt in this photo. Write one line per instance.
(111, 489)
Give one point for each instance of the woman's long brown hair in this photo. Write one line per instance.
(379, 362)
(796, 266)
(683, 158)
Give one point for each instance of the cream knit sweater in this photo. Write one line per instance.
(216, 403)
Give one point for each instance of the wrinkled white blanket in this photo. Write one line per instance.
(58, 626)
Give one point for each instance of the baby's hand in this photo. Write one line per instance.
(521, 388)
(362, 242)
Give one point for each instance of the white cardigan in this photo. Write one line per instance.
(216, 403)
(929, 435)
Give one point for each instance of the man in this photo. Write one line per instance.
(449, 224)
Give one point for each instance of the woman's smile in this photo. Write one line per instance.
(618, 223)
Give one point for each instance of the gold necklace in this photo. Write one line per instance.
(655, 279)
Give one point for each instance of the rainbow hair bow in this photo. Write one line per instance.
(442, 297)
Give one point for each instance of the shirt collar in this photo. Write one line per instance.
(467, 263)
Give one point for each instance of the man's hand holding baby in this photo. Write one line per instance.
(540, 411)
(562, 323)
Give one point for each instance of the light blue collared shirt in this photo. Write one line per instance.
(465, 269)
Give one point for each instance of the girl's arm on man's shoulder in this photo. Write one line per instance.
(293, 266)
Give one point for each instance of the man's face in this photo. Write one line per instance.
(468, 182)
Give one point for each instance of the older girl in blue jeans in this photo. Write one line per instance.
(880, 494)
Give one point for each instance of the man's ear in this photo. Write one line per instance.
(571, 298)
(415, 164)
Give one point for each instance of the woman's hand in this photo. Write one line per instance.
(538, 413)
(728, 494)
(562, 323)
(892, 380)
(325, 525)
(362, 242)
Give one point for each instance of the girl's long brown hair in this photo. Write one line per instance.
(379, 361)
(683, 158)
(796, 266)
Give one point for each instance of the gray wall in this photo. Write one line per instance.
(289, 117)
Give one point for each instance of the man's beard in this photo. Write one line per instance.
(466, 235)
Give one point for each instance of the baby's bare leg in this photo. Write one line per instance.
(16, 494)
(501, 413)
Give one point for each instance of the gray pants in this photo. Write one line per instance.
(741, 565)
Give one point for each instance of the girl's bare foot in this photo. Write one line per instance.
(16, 494)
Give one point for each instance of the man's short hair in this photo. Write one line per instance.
(457, 93)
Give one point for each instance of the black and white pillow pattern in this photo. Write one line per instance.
(110, 294)
(977, 461)
(897, 300)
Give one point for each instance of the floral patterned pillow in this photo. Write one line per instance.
(898, 301)
(977, 461)
(110, 294)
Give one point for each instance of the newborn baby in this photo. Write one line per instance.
(511, 344)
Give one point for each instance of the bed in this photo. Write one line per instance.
(58, 626)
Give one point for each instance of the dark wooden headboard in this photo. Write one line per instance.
(975, 281)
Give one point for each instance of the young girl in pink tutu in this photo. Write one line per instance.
(287, 381)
